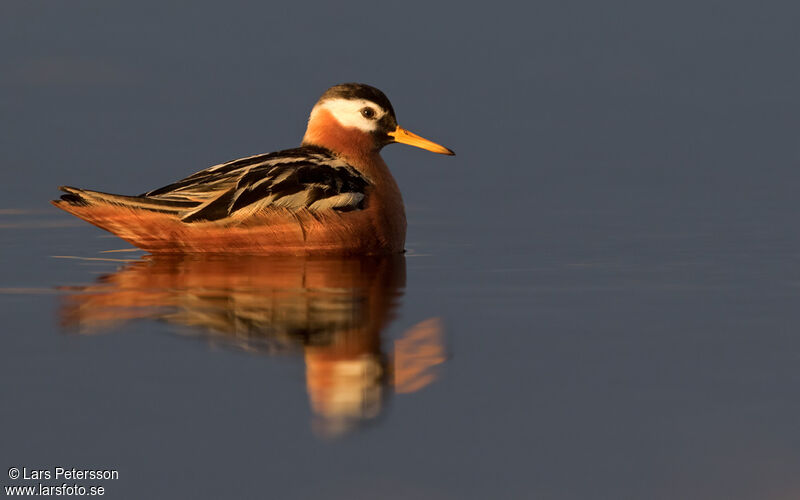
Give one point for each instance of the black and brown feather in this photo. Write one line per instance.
(308, 177)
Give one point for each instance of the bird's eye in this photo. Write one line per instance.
(368, 113)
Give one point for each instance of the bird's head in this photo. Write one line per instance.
(354, 119)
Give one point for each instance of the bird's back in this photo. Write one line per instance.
(303, 200)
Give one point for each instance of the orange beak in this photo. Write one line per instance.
(403, 136)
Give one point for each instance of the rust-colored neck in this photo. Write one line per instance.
(358, 148)
(355, 145)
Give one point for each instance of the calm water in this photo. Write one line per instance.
(600, 298)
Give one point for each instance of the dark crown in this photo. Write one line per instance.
(359, 91)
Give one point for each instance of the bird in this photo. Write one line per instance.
(332, 195)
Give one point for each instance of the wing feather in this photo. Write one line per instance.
(303, 178)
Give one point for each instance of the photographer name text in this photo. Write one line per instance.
(65, 473)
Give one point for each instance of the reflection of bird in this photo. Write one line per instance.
(333, 194)
(332, 310)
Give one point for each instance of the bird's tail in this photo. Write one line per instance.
(144, 221)
(75, 197)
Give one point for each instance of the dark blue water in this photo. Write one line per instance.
(599, 298)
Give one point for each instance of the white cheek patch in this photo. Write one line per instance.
(348, 113)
